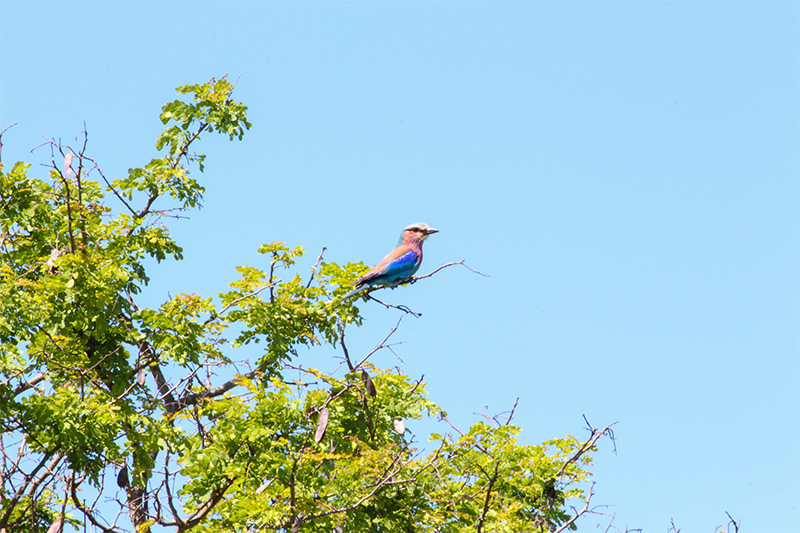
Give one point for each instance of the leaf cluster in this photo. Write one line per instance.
(199, 413)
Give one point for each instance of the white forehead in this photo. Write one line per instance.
(418, 226)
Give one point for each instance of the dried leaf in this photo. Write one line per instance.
(399, 426)
(68, 164)
(140, 377)
(122, 477)
(322, 424)
(56, 526)
(368, 384)
(264, 486)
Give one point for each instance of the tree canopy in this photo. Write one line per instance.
(116, 416)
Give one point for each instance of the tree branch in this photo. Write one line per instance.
(586, 446)
(196, 397)
(578, 514)
(1, 139)
(488, 499)
(314, 269)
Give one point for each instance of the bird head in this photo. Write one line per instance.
(418, 232)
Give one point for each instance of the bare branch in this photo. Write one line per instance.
(314, 269)
(732, 522)
(88, 513)
(586, 446)
(111, 187)
(511, 414)
(216, 315)
(488, 499)
(194, 398)
(344, 348)
(1, 139)
(403, 308)
(462, 263)
(379, 346)
(22, 387)
(578, 514)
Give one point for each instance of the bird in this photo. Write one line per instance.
(400, 264)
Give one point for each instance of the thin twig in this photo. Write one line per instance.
(216, 315)
(511, 414)
(111, 187)
(344, 348)
(585, 447)
(314, 269)
(578, 514)
(381, 345)
(1, 139)
(732, 521)
(403, 308)
(462, 263)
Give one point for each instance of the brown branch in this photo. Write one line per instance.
(413, 280)
(87, 512)
(578, 514)
(206, 508)
(586, 446)
(185, 148)
(111, 187)
(314, 269)
(462, 263)
(148, 354)
(48, 471)
(381, 345)
(386, 478)
(732, 522)
(216, 315)
(22, 387)
(344, 349)
(402, 308)
(84, 236)
(11, 503)
(65, 179)
(1, 139)
(488, 499)
(191, 399)
(511, 414)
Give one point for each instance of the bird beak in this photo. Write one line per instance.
(431, 230)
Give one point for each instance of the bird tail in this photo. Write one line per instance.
(354, 292)
(348, 295)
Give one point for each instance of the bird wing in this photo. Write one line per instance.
(400, 263)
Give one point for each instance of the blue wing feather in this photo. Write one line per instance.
(399, 268)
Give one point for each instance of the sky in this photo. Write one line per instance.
(626, 174)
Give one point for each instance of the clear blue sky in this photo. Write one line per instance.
(626, 172)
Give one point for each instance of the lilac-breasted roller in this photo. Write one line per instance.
(400, 264)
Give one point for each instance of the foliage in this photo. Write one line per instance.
(113, 409)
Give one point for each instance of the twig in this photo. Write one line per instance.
(65, 179)
(87, 512)
(585, 447)
(488, 499)
(381, 345)
(111, 187)
(194, 398)
(22, 387)
(511, 414)
(403, 308)
(344, 349)
(314, 269)
(1, 139)
(216, 315)
(578, 514)
(732, 521)
(462, 263)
